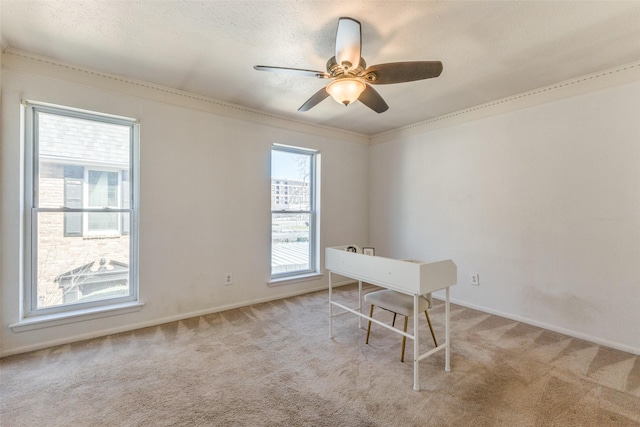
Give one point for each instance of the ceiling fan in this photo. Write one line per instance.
(352, 79)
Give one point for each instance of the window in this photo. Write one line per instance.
(82, 210)
(294, 216)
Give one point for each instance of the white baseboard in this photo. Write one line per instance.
(554, 328)
(168, 319)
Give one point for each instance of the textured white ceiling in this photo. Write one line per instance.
(489, 49)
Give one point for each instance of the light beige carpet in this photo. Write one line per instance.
(273, 364)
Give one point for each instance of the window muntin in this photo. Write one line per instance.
(82, 242)
(293, 211)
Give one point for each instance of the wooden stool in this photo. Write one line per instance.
(398, 303)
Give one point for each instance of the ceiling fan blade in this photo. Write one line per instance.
(317, 97)
(372, 99)
(296, 71)
(348, 42)
(400, 72)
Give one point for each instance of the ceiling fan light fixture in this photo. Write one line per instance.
(346, 90)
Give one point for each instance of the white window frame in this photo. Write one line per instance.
(30, 313)
(314, 215)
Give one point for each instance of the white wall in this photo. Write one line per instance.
(205, 197)
(543, 203)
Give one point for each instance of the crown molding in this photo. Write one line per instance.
(623, 74)
(27, 62)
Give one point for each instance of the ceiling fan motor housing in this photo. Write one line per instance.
(346, 68)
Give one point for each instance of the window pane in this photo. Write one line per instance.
(76, 269)
(125, 223)
(290, 181)
(103, 189)
(103, 192)
(100, 221)
(290, 245)
(66, 144)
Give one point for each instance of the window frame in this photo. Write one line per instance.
(314, 160)
(29, 306)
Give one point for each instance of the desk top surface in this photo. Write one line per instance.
(407, 276)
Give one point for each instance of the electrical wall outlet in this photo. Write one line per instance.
(228, 278)
(475, 279)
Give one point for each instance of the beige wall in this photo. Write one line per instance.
(543, 203)
(204, 197)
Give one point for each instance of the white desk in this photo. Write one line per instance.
(413, 278)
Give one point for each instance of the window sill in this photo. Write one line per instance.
(294, 279)
(58, 319)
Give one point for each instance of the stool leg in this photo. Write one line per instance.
(369, 326)
(431, 328)
(404, 339)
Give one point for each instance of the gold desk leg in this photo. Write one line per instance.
(431, 328)
(404, 339)
(369, 326)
